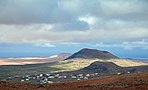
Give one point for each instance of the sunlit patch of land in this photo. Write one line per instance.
(22, 61)
(27, 60)
(67, 65)
(34, 60)
(76, 64)
(53, 56)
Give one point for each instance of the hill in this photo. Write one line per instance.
(106, 68)
(109, 68)
(92, 54)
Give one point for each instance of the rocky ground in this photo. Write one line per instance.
(117, 82)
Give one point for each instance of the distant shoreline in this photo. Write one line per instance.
(53, 54)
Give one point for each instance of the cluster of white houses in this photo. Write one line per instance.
(50, 78)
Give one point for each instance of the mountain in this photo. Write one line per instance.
(92, 54)
(60, 56)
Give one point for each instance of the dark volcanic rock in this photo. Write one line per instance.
(107, 68)
(137, 69)
(92, 54)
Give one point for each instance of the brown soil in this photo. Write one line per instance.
(121, 82)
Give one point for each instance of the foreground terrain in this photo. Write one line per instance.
(137, 81)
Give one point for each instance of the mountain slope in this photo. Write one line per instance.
(92, 54)
(103, 68)
(60, 56)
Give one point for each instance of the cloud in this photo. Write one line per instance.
(143, 44)
(64, 11)
(90, 20)
(113, 7)
(30, 11)
(45, 45)
(77, 25)
(73, 21)
(46, 33)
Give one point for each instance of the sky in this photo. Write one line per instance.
(46, 27)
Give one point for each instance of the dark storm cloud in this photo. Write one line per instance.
(31, 11)
(77, 25)
(59, 11)
(73, 20)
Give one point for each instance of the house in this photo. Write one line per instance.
(96, 73)
(51, 77)
(47, 74)
(88, 75)
(41, 75)
(57, 75)
(9, 77)
(73, 77)
(22, 80)
(118, 73)
(64, 77)
(85, 77)
(49, 82)
(27, 79)
(33, 77)
(78, 79)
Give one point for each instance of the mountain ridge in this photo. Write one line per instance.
(87, 53)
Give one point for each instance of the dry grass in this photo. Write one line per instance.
(76, 64)
(127, 63)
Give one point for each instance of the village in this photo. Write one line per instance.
(51, 78)
(45, 78)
